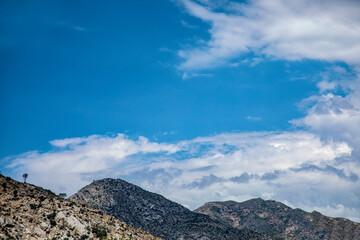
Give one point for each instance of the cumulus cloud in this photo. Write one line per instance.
(335, 116)
(298, 167)
(240, 166)
(291, 30)
(74, 161)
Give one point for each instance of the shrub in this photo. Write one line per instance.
(84, 236)
(42, 198)
(62, 195)
(49, 192)
(100, 232)
(51, 216)
(53, 222)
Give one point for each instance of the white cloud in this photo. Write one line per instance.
(292, 30)
(67, 142)
(269, 165)
(335, 116)
(325, 85)
(67, 166)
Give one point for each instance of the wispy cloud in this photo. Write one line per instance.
(252, 118)
(186, 75)
(71, 26)
(186, 24)
(77, 28)
(320, 30)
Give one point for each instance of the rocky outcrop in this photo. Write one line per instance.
(30, 212)
(280, 221)
(154, 213)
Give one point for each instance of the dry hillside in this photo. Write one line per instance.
(30, 212)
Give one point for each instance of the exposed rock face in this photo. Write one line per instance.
(30, 212)
(154, 213)
(280, 221)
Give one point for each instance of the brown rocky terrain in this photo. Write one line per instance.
(154, 213)
(280, 221)
(30, 212)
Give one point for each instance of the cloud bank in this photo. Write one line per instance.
(296, 167)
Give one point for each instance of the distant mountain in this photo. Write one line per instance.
(30, 212)
(280, 221)
(154, 213)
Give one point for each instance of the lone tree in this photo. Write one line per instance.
(25, 175)
(62, 195)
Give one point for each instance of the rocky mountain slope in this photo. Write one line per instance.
(280, 221)
(30, 212)
(154, 213)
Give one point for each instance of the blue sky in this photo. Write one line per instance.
(87, 68)
(197, 100)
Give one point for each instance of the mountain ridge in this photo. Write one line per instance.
(154, 213)
(280, 221)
